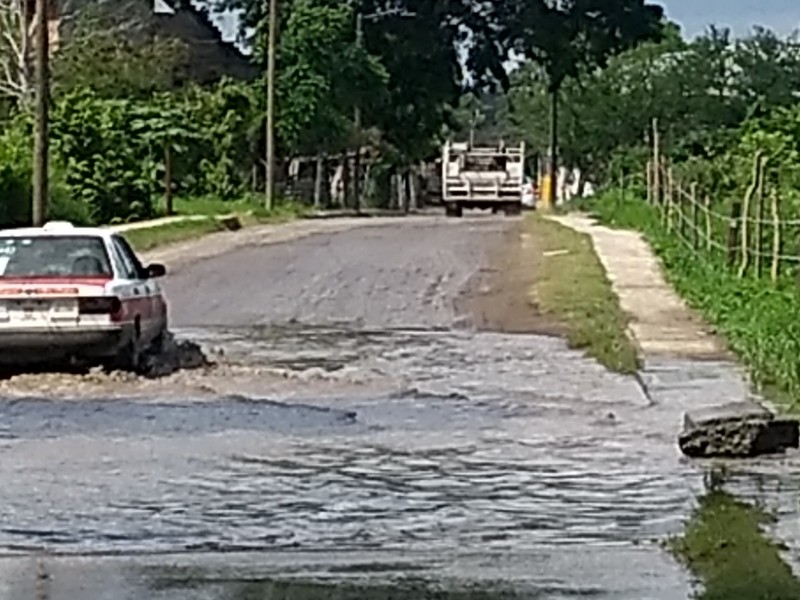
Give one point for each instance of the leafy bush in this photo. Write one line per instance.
(107, 165)
(108, 155)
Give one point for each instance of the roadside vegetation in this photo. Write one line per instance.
(724, 116)
(760, 321)
(132, 127)
(725, 548)
(571, 285)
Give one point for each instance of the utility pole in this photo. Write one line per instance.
(41, 147)
(269, 200)
(552, 192)
(357, 121)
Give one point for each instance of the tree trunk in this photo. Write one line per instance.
(345, 180)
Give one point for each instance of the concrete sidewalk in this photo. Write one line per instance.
(660, 322)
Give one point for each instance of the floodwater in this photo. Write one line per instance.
(483, 464)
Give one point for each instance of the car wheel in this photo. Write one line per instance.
(159, 343)
(129, 357)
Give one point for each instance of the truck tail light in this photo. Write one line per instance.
(99, 306)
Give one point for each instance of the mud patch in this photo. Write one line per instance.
(175, 355)
(499, 298)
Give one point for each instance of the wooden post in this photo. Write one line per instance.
(682, 216)
(272, 50)
(649, 178)
(168, 209)
(669, 195)
(345, 179)
(760, 216)
(695, 215)
(709, 228)
(776, 237)
(319, 168)
(41, 140)
(656, 163)
(745, 214)
(733, 232)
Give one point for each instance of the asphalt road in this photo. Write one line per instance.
(395, 274)
(397, 444)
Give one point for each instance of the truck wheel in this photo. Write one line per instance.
(513, 210)
(453, 210)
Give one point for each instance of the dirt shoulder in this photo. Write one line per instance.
(546, 279)
(498, 298)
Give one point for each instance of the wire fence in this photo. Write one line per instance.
(752, 237)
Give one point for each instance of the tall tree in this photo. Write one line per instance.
(566, 37)
(16, 79)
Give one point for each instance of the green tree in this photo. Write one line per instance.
(566, 38)
(322, 76)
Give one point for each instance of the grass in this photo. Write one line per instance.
(246, 210)
(152, 237)
(571, 285)
(249, 208)
(724, 548)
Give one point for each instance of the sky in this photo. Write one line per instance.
(782, 16)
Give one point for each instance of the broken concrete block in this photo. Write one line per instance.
(230, 222)
(737, 430)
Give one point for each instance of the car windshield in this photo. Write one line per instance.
(53, 256)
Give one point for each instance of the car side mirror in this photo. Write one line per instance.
(156, 270)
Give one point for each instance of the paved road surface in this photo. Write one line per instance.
(406, 273)
(455, 456)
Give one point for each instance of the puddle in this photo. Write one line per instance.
(469, 458)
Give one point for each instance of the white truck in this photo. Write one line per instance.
(483, 177)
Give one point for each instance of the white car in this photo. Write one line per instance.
(77, 293)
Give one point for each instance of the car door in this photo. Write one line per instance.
(152, 294)
(132, 290)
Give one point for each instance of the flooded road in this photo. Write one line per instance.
(486, 464)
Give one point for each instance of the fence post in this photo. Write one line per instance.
(758, 242)
(695, 219)
(776, 237)
(649, 178)
(680, 205)
(748, 197)
(709, 228)
(669, 199)
(656, 163)
(733, 232)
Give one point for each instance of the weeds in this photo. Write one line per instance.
(724, 547)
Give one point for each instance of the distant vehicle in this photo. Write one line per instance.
(77, 293)
(485, 177)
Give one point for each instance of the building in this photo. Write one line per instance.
(208, 57)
